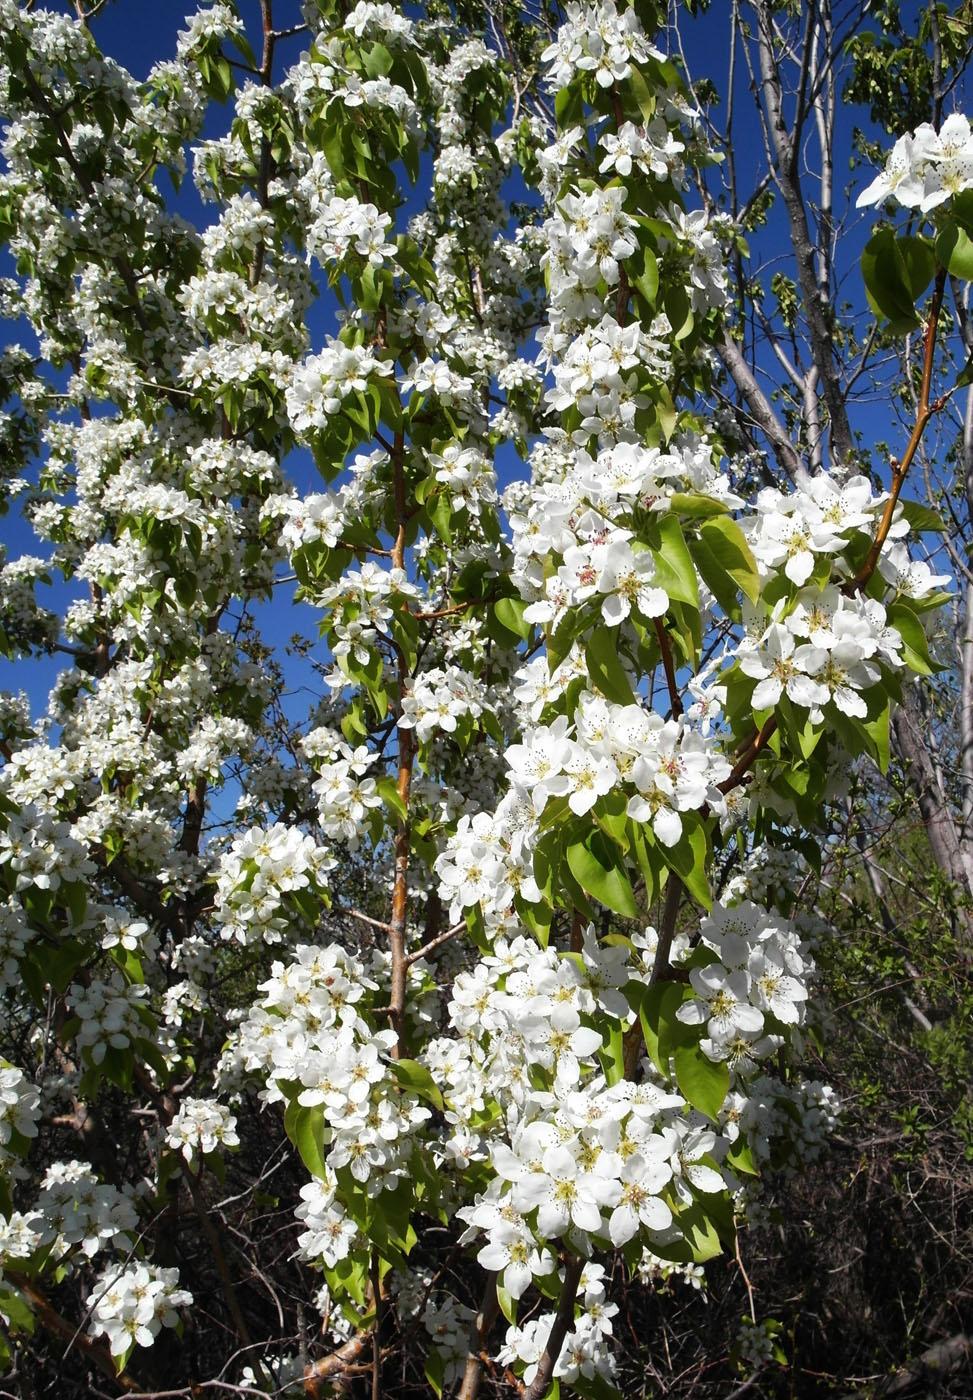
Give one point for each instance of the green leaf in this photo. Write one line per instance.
(694, 506)
(920, 262)
(702, 1082)
(642, 94)
(740, 1159)
(660, 1028)
(612, 1055)
(915, 647)
(17, 1312)
(435, 1370)
(954, 250)
(308, 1137)
(922, 519)
(725, 541)
(508, 1304)
(509, 612)
(604, 667)
(389, 794)
(674, 568)
(689, 858)
(416, 1079)
(877, 730)
(648, 279)
(887, 281)
(700, 1230)
(596, 865)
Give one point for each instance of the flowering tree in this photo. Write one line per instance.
(496, 958)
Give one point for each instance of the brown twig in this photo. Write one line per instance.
(563, 1319)
(482, 1326)
(899, 469)
(755, 746)
(324, 1371)
(634, 1039)
(665, 646)
(58, 1326)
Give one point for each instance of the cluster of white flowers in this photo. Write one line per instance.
(201, 1126)
(343, 224)
(111, 1014)
(585, 1352)
(583, 511)
(19, 1107)
(261, 868)
(132, 1303)
(653, 148)
(322, 381)
(74, 1208)
(40, 852)
(438, 699)
(360, 605)
(834, 665)
(586, 239)
(925, 169)
(596, 39)
(761, 971)
(344, 794)
(306, 1031)
(468, 475)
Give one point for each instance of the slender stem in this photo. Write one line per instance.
(379, 1327)
(665, 646)
(923, 415)
(745, 762)
(634, 1040)
(563, 1319)
(434, 943)
(482, 1326)
(406, 742)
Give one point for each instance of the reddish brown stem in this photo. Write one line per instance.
(563, 1319)
(899, 469)
(325, 1371)
(634, 1040)
(400, 888)
(665, 646)
(749, 756)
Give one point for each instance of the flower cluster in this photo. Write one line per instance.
(201, 1126)
(258, 873)
(926, 168)
(132, 1303)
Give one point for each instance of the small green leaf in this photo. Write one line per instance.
(887, 282)
(648, 279)
(689, 858)
(922, 519)
(596, 865)
(416, 1079)
(954, 251)
(915, 647)
(674, 568)
(308, 1138)
(920, 262)
(694, 506)
(702, 1082)
(604, 667)
(508, 1304)
(725, 541)
(509, 612)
